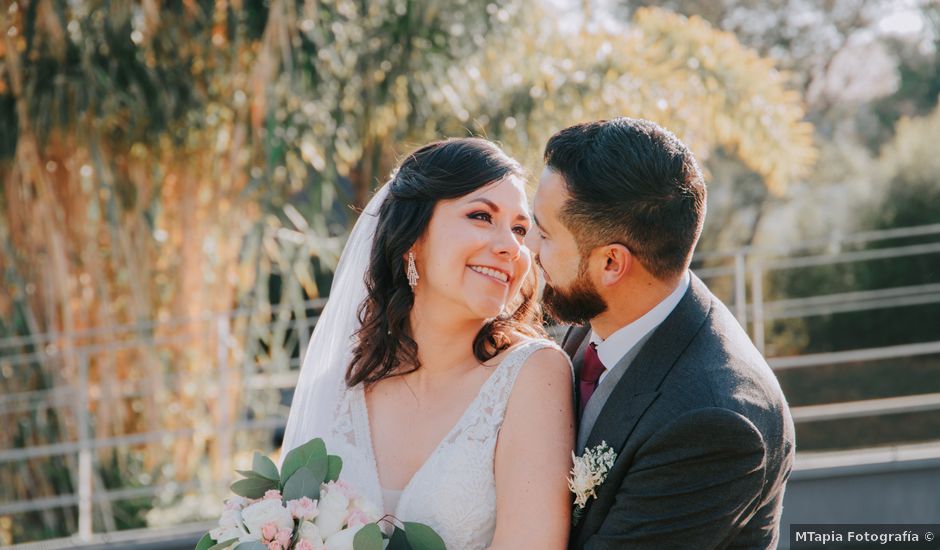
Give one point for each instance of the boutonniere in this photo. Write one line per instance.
(587, 474)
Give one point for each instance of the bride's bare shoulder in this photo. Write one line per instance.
(542, 397)
(546, 369)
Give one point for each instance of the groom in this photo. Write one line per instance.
(665, 376)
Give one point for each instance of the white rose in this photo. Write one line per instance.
(236, 502)
(230, 527)
(266, 511)
(222, 534)
(230, 518)
(342, 540)
(368, 508)
(309, 532)
(332, 505)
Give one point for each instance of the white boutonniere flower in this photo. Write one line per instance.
(588, 473)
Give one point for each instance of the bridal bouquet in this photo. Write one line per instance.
(306, 506)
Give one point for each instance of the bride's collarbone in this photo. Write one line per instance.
(416, 392)
(408, 424)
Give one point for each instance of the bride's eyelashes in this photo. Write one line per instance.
(488, 218)
(482, 216)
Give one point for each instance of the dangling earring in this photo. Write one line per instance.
(412, 271)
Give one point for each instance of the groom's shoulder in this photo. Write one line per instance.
(722, 367)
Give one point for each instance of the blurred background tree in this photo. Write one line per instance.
(869, 72)
(906, 181)
(171, 160)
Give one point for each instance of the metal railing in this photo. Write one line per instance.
(747, 268)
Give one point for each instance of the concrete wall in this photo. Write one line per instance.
(899, 492)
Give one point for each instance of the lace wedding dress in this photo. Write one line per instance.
(454, 491)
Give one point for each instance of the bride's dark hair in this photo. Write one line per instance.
(438, 171)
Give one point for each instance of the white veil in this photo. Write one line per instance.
(329, 353)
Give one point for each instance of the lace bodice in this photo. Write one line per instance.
(454, 491)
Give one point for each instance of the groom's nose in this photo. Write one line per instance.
(532, 242)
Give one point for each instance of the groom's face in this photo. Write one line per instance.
(570, 295)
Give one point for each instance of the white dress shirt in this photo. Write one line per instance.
(612, 350)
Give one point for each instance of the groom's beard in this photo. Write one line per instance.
(577, 304)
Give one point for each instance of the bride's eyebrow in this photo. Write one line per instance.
(495, 208)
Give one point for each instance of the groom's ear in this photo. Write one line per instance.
(617, 264)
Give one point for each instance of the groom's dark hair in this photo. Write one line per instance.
(634, 183)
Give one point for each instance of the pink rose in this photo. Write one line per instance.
(307, 545)
(271, 494)
(269, 531)
(344, 489)
(303, 508)
(274, 545)
(283, 537)
(357, 518)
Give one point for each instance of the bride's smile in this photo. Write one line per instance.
(472, 258)
(455, 411)
(492, 273)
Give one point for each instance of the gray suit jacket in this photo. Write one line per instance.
(703, 436)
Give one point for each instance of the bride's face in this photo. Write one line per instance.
(472, 255)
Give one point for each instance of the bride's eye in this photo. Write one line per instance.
(482, 216)
(521, 230)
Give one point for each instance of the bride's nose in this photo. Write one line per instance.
(506, 243)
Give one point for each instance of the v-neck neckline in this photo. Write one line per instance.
(370, 447)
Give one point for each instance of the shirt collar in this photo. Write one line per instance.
(612, 350)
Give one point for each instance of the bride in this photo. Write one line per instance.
(428, 372)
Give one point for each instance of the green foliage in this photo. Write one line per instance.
(253, 487)
(303, 483)
(908, 176)
(422, 537)
(334, 468)
(368, 538)
(264, 467)
(311, 455)
(205, 543)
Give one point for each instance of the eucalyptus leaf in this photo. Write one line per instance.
(303, 483)
(264, 467)
(398, 540)
(334, 467)
(251, 545)
(205, 543)
(311, 454)
(224, 544)
(250, 473)
(253, 487)
(368, 538)
(422, 537)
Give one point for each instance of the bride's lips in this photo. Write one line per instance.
(493, 274)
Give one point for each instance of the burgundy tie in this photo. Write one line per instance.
(591, 370)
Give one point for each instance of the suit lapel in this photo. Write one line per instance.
(573, 343)
(639, 386)
(574, 338)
